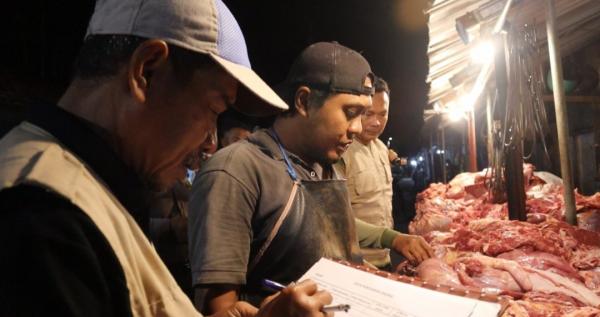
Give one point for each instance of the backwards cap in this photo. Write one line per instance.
(332, 67)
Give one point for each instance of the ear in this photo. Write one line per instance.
(301, 100)
(145, 60)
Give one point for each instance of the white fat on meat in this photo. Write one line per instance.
(512, 267)
(591, 279)
(530, 279)
(549, 282)
(429, 223)
(543, 261)
(436, 272)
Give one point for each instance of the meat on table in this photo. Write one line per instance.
(548, 267)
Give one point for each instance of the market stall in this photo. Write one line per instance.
(512, 228)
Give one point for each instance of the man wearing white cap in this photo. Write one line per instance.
(150, 80)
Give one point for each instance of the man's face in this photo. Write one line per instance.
(375, 119)
(233, 135)
(332, 127)
(176, 121)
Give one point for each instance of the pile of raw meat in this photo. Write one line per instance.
(443, 207)
(546, 266)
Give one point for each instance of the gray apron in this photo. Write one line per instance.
(316, 222)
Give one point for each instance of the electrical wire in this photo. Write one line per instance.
(525, 116)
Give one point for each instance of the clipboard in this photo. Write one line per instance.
(373, 293)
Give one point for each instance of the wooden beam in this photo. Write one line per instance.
(562, 122)
(472, 141)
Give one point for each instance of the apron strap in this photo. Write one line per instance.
(288, 165)
(275, 230)
(288, 206)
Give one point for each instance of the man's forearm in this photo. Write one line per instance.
(374, 236)
(210, 299)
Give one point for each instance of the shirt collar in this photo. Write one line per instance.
(267, 143)
(83, 139)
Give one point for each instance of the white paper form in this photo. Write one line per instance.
(370, 295)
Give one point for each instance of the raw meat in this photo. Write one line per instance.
(435, 271)
(591, 279)
(510, 277)
(543, 261)
(444, 207)
(547, 266)
(528, 308)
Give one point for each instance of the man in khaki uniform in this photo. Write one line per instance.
(366, 166)
(150, 80)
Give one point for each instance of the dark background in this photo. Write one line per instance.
(41, 38)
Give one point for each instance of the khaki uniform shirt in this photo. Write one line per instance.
(30, 155)
(367, 170)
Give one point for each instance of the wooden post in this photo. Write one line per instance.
(513, 154)
(562, 119)
(472, 139)
(432, 156)
(443, 155)
(515, 183)
(490, 126)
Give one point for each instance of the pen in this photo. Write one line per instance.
(274, 286)
(334, 308)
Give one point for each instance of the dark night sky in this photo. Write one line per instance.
(41, 38)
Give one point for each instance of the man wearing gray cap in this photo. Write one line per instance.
(150, 80)
(272, 206)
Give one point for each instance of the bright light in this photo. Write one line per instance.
(457, 108)
(466, 103)
(482, 52)
(420, 159)
(438, 152)
(455, 114)
(413, 163)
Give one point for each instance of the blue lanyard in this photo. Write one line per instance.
(289, 167)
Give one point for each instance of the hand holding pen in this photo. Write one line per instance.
(302, 299)
(275, 286)
(298, 300)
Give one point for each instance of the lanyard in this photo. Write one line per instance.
(289, 167)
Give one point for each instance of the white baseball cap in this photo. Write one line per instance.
(204, 26)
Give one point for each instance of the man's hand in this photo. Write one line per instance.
(392, 155)
(414, 248)
(297, 300)
(239, 309)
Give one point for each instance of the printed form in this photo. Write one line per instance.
(370, 295)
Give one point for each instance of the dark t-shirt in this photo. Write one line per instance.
(235, 196)
(55, 261)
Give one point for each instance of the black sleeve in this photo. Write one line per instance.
(54, 260)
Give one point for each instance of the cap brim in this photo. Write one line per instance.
(255, 97)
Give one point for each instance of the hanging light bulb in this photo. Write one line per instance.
(455, 114)
(482, 52)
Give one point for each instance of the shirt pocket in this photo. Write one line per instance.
(366, 179)
(385, 166)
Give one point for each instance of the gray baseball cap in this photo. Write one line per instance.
(329, 66)
(204, 26)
